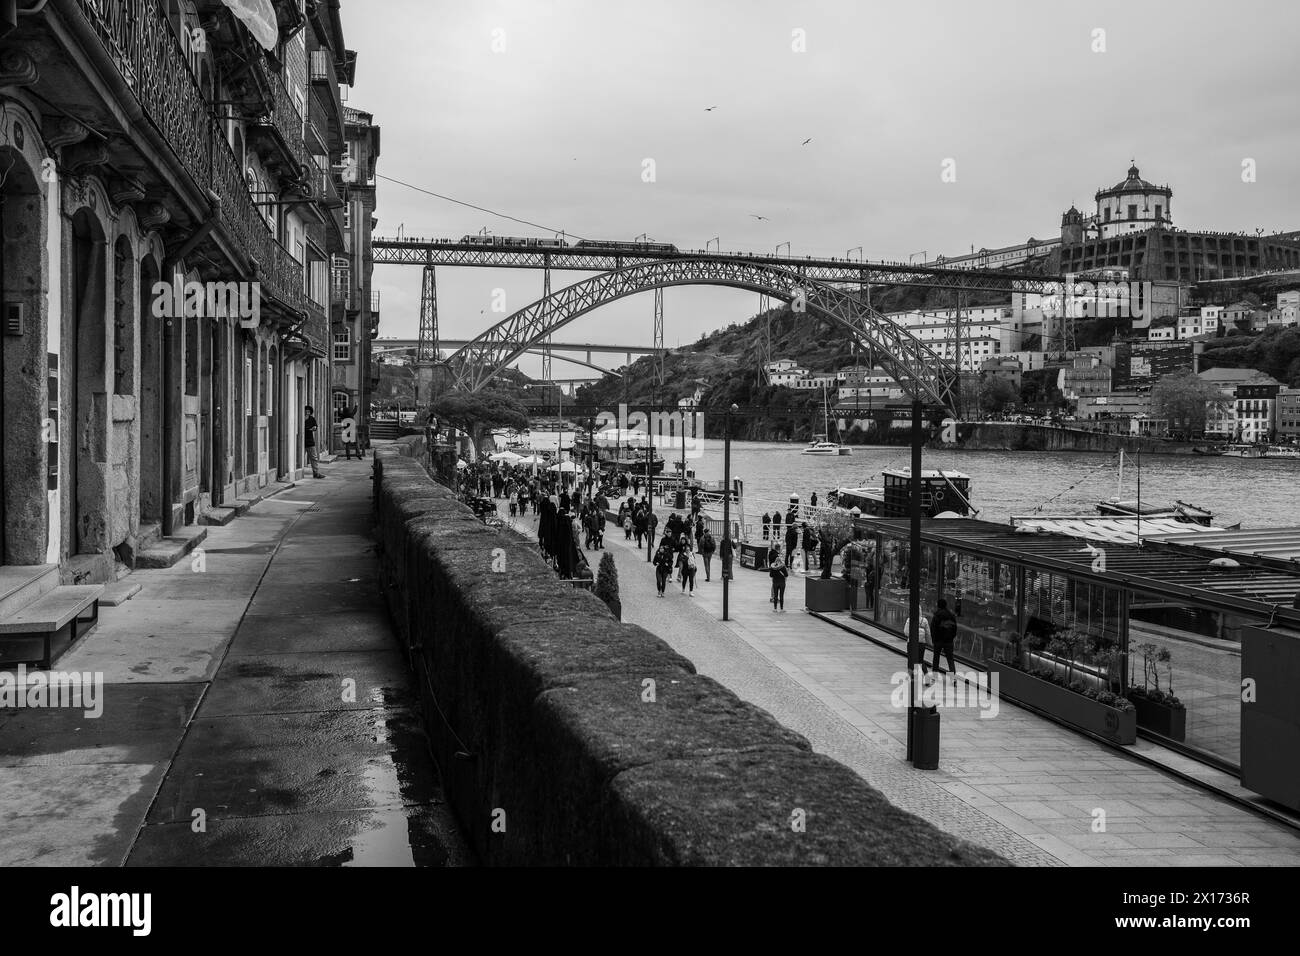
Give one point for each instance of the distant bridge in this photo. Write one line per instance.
(546, 254)
(625, 268)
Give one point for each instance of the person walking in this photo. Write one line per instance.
(791, 543)
(726, 551)
(309, 442)
(600, 528)
(778, 572)
(707, 547)
(686, 567)
(651, 523)
(809, 547)
(943, 631)
(663, 562)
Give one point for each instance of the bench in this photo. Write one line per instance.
(69, 611)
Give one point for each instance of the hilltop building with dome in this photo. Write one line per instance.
(1131, 231)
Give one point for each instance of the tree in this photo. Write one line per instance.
(607, 584)
(1181, 398)
(479, 412)
(996, 393)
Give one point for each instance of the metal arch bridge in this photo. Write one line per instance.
(920, 371)
(547, 254)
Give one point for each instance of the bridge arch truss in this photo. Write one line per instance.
(920, 371)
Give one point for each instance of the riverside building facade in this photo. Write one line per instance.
(170, 208)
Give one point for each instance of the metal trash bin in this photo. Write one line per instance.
(680, 501)
(925, 738)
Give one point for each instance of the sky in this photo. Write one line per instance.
(547, 111)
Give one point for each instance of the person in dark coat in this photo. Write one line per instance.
(778, 573)
(767, 525)
(707, 547)
(809, 546)
(663, 562)
(943, 631)
(791, 543)
(726, 551)
(776, 529)
(813, 502)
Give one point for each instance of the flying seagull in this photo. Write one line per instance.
(757, 216)
(709, 109)
(806, 142)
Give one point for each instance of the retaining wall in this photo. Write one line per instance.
(565, 737)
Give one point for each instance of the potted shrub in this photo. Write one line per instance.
(825, 593)
(607, 585)
(1032, 680)
(1158, 711)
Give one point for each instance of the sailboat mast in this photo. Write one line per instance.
(1119, 490)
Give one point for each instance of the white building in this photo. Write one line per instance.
(986, 332)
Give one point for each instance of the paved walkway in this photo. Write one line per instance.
(257, 711)
(1016, 783)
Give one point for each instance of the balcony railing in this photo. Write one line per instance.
(285, 118)
(140, 41)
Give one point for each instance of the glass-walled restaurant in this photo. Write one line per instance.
(1137, 622)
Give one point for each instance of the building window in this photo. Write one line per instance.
(248, 385)
(1132, 210)
(343, 346)
(1159, 211)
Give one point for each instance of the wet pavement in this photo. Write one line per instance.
(257, 710)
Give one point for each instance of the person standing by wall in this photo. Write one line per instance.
(309, 442)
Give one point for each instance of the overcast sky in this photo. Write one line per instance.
(555, 127)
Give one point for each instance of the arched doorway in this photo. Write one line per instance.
(25, 403)
(86, 369)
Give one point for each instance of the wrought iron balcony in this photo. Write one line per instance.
(140, 41)
(284, 121)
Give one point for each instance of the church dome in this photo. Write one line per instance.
(1134, 183)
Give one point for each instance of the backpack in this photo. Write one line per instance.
(946, 630)
(690, 561)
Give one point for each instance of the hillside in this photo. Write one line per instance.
(730, 360)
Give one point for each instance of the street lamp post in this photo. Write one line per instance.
(726, 510)
(914, 582)
(650, 491)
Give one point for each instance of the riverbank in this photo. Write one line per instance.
(1016, 436)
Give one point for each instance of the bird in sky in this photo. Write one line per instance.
(709, 109)
(756, 216)
(806, 142)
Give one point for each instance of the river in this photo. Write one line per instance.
(1256, 492)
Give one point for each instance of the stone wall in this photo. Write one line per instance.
(1012, 436)
(565, 737)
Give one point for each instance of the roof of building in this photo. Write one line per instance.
(1233, 375)
(1165, 568)
(1269, 547)
(1135, 184)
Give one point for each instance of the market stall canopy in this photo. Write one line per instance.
(259, 17)
(563, 466)
(506, 456)
(462, 463)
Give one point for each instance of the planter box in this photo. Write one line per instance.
(1065, 705)
(1161, 719)
(825, 595)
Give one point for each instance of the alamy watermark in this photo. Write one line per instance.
(48, 689)
(975, 690)
(1123, 300)
(209, 300)
(668, 431)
